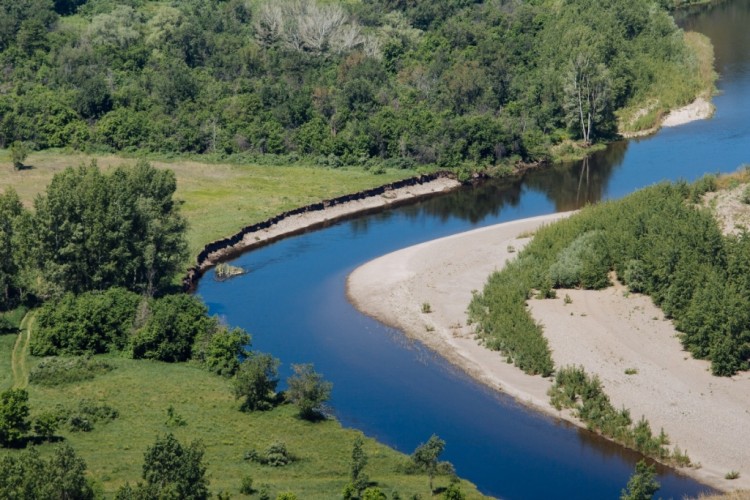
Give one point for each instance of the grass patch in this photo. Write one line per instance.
(143, 391)
(219, 198)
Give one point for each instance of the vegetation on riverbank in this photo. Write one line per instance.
(659, 242)
(102, 293)
(378, 83)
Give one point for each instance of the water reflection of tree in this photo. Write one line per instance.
(568, 186)
(574, 185)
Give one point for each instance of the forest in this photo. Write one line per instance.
(404, 82)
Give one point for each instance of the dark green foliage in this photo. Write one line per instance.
(658, 243)
(10, 211)
(255, 382)
(426, 456)
(93, 230)
(29, 476)
(58, 371)
(308, 390)
(92, 322)
(453, 492)
(642, 484)
(246, 487)
(175, 322)
(171, 470)
(14, 416)
(418, 82)
(86, 415)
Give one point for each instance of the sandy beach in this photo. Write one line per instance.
(606, 331)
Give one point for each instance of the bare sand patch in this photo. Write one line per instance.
(606, 331)
(700, 109)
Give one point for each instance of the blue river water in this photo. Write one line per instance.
(294, 303)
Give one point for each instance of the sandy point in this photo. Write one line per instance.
(609, 332)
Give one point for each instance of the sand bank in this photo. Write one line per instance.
(607, 332)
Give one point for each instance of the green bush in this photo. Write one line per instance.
(93, 322)
(58, 371)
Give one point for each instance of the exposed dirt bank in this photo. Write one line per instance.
(318, 215)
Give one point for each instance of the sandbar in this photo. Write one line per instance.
(608, 332)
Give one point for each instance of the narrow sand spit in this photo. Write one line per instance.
(607, 332)
(699, 109)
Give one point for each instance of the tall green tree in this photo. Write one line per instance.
(171, 470)
(97, 230)
(427, 456)
(256, 381)
(14, 416)
(10, 210)
(308, 390)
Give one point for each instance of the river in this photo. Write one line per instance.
(293, 302)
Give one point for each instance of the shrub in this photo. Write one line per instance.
(93, 322)
(276, 455)
(246, 486)
(58, 371)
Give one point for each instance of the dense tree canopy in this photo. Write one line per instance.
(416, 81)
(91, 231)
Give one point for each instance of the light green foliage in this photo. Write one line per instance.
(308, 391)
(221, 349)
(18, 153)
(14, 416)
(373, 493)
(255, 382)
(62, 475)
(46, 424)
(642, 484)
(426, 456)
(575, 389)
(583, 263)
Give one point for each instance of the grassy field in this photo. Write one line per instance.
(143, 390)
(218, 198)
